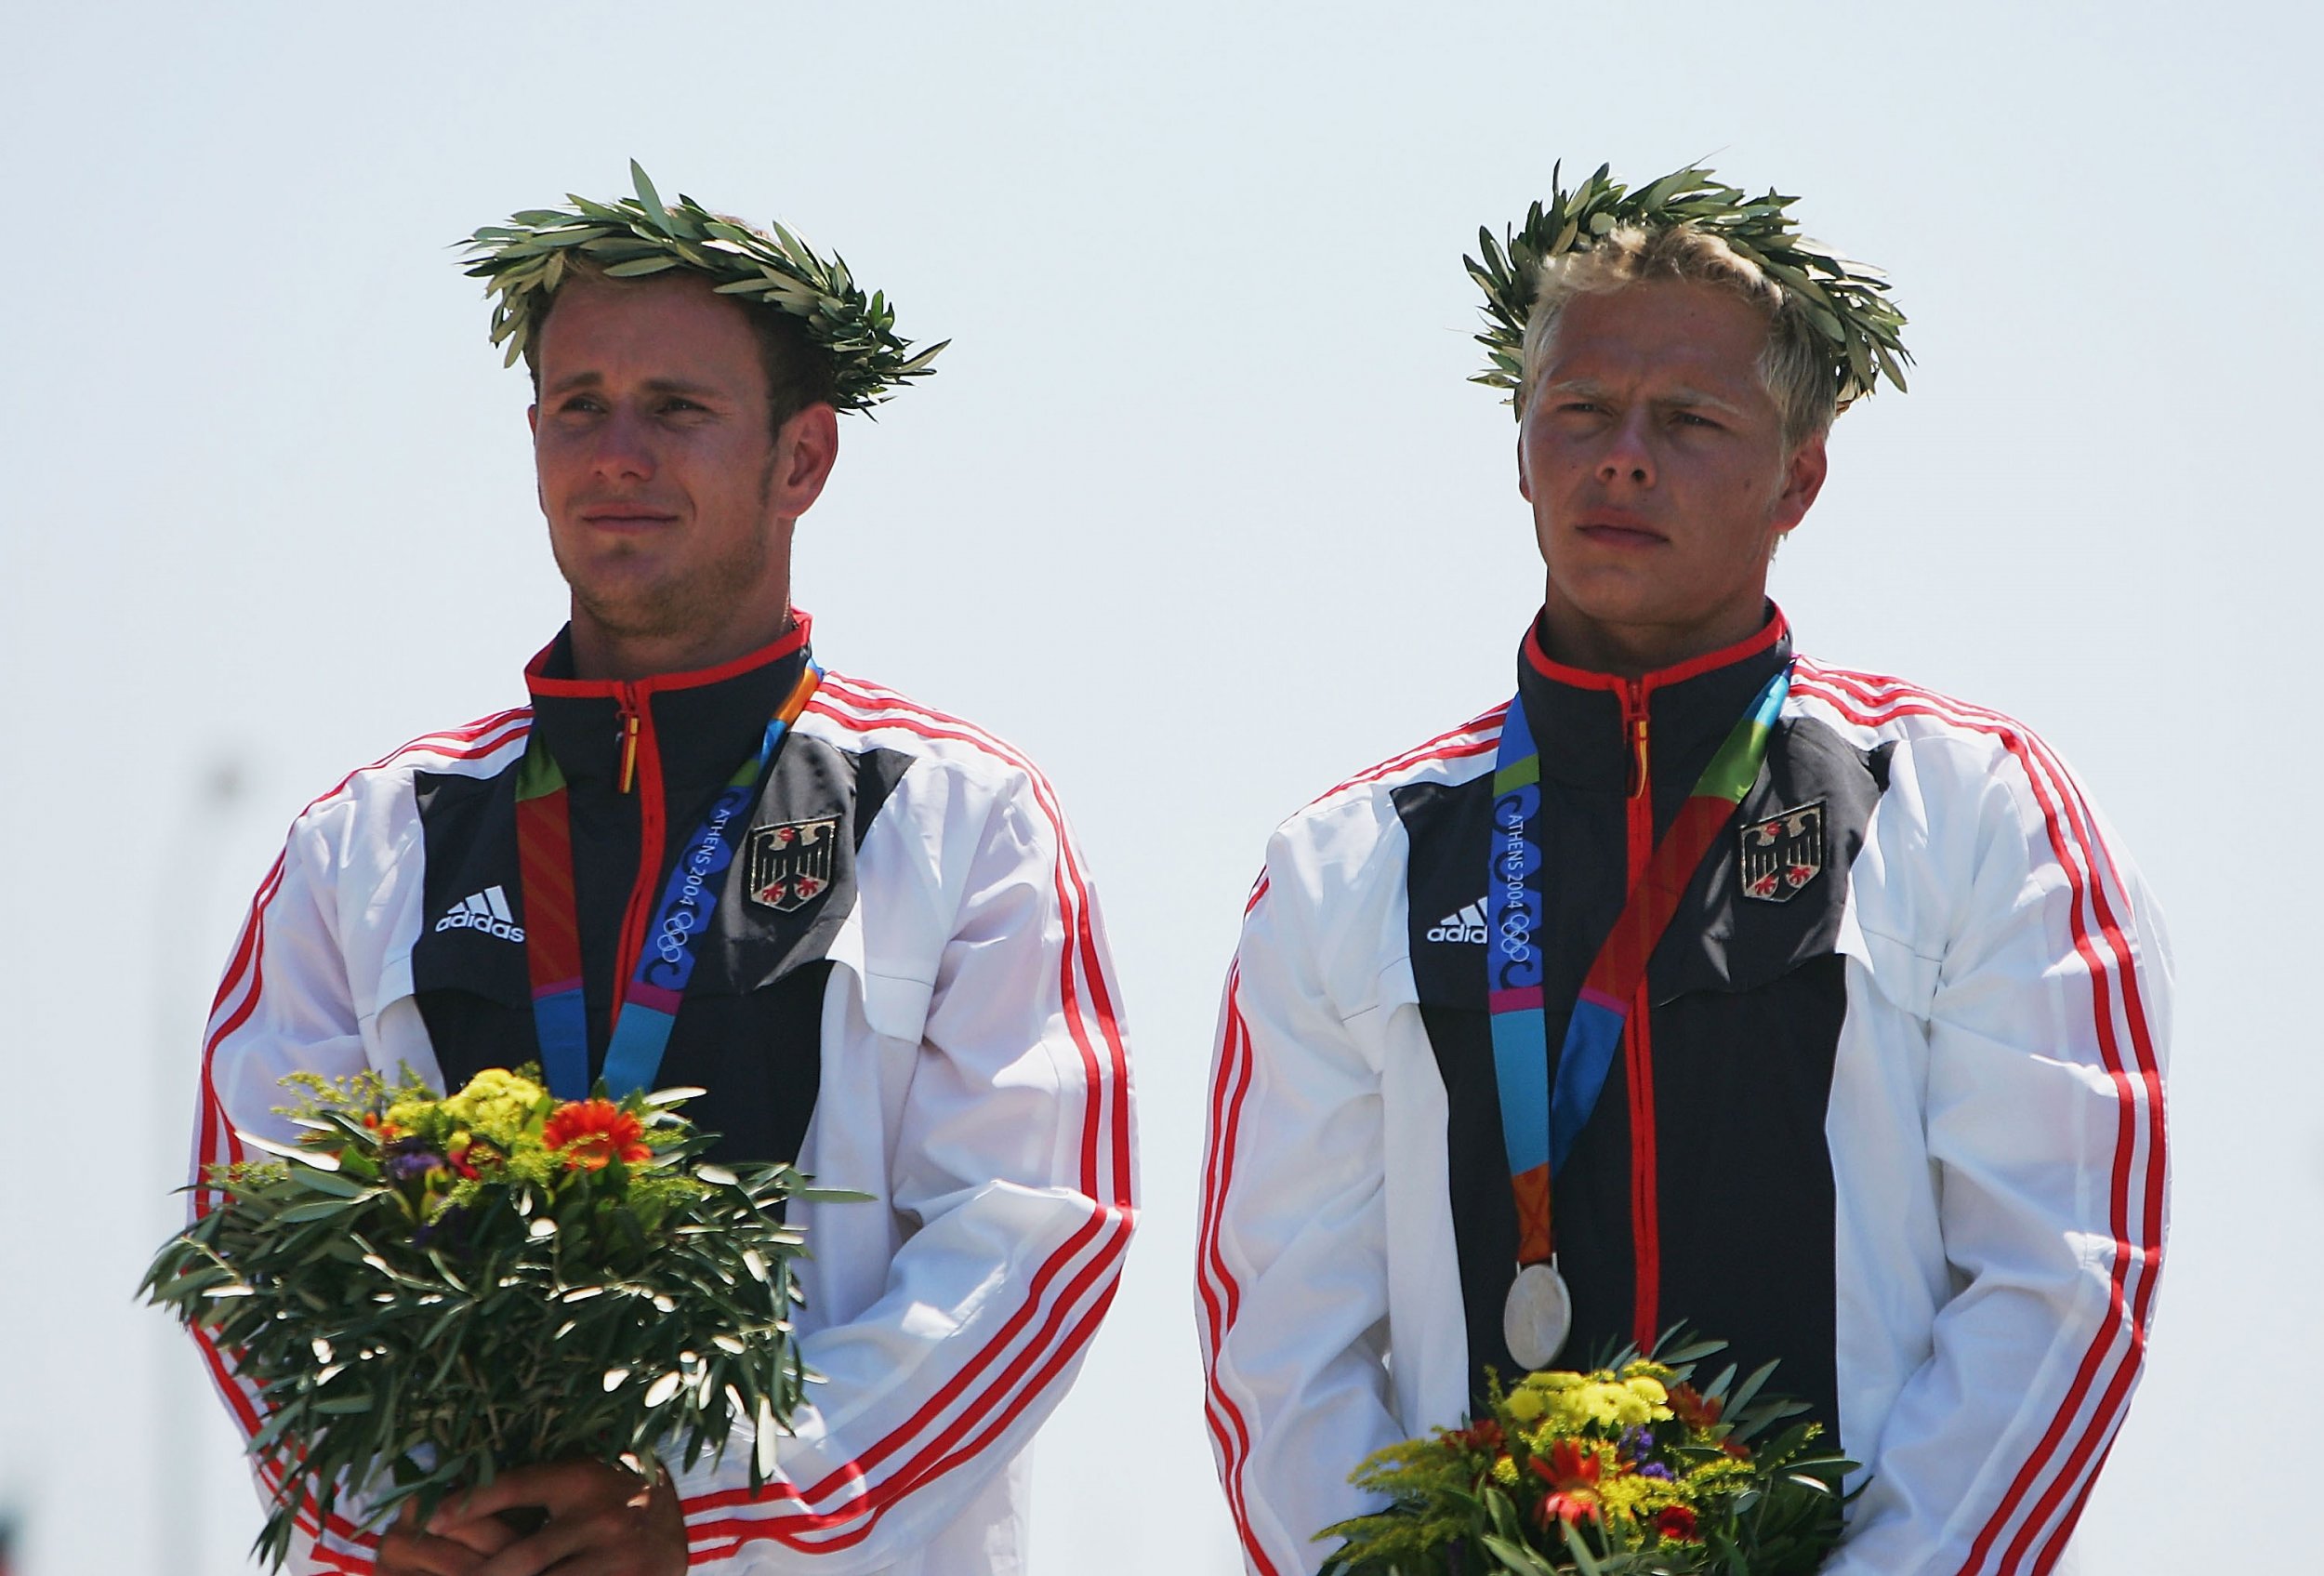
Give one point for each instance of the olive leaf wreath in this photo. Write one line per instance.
(1856, 323)
(523, 261)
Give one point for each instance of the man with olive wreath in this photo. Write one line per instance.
(1700, 984)
(902, 984)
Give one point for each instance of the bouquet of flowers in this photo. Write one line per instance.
(1624, 1471)
(425, 1291)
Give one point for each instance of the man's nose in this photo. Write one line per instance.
(622, 450)
(1628, 457)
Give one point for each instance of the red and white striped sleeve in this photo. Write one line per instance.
(1291, 1275)
(289, 1002)
(1292, 1283)
(2045, 1032)
(1009, 1167)
(284, 1006)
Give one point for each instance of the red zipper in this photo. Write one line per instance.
(640, 773)
(1645, 1210)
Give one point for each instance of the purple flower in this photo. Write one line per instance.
(410, 1165)
(1656, 1470)
(1636, 1443)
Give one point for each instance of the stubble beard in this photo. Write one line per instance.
(689, 605)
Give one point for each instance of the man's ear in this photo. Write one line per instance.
(806, 448)
(1525, 476)
(1803, 479)
(532, 419)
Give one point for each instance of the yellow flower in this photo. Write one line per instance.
(1565, 1403)
(406, 1114)
(1623, 1496)
(1636, 1403)
(1505, 1472)
(497, 1104)
(499, 1083)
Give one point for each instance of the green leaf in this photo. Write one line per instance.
(640, 267)
(1578, 1545)
(1751, 1387)
(1515, 1557)
(317, 1158)
(1860, 362)
(327, 1209)
(340, 1184)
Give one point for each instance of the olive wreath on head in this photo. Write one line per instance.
(524, 261)
(1856, 323)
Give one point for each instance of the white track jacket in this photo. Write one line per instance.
(972, 1080)
(1994, 1127)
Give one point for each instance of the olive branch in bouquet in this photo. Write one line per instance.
(1631, 1468)
(424, 1292)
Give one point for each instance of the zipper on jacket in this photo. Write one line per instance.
(627, 722)
(641, 772)
(1638, 1042)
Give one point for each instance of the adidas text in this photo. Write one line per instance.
(1467, 927)
(486, 912)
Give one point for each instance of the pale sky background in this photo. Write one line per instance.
(1200, 512)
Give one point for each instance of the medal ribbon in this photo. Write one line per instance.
(1539, 1124)
(665, 958)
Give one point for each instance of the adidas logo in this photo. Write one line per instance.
(1468, 926)
(488, 911)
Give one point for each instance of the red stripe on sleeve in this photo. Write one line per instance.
(2064, 1479)
(1086, 1004)
(1221, 1296)
(1218, 1292)
(243, 986)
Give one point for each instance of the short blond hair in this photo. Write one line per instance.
(1793, 366)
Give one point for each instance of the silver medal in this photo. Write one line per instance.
(1535, 1318)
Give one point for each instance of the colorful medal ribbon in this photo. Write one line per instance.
(1539, 1124)
(665, 958)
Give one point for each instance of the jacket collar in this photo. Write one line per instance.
(1583, 721)
(702, 722)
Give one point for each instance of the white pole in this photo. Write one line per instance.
(189, 868)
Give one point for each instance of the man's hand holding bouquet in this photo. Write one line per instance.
(426, 1293)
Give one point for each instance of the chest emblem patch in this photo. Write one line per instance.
(1782, 854)
(787, 866)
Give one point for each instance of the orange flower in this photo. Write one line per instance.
(1572, 1475)
(1689, 1406)
(1482, 1436)
(591, 1132)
